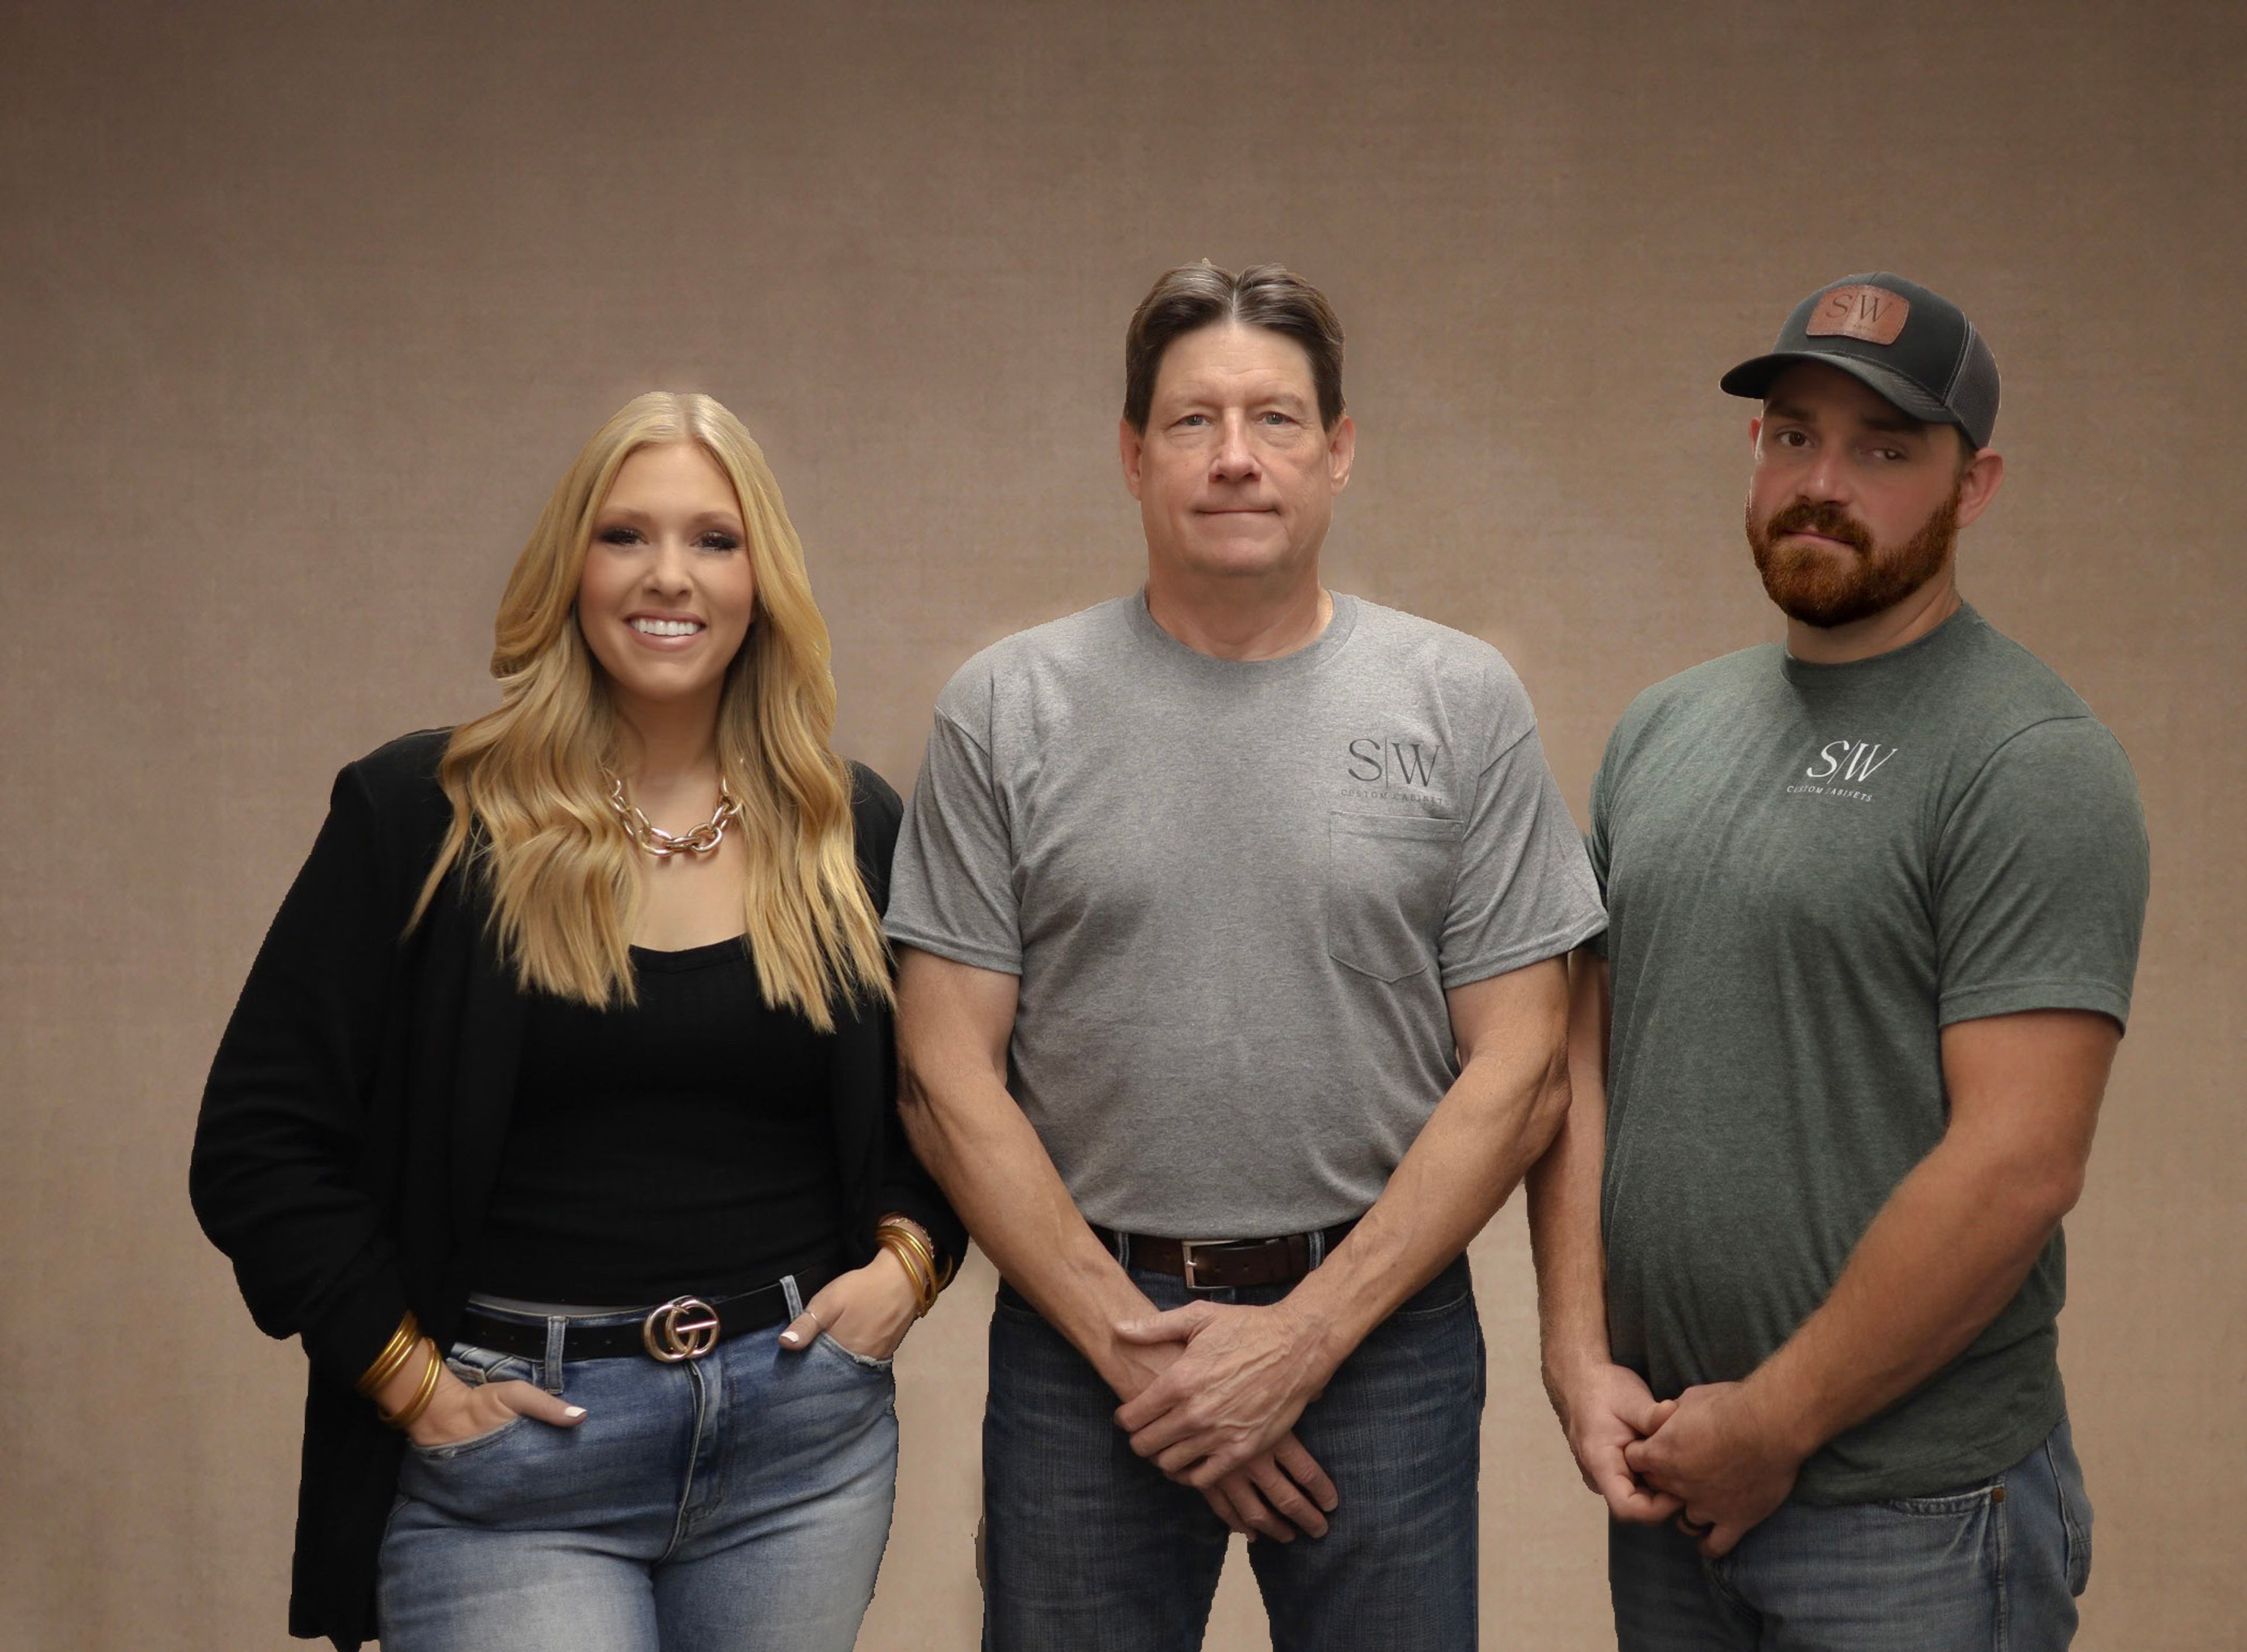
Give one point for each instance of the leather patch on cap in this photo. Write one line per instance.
(1873, 314)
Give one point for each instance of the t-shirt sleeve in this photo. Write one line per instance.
(1596, 840)
(952, 886)
(2041, 878)
(1525, 890)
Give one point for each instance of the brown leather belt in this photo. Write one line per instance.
(1223, 1265)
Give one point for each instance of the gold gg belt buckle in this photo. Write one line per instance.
(685, 1328)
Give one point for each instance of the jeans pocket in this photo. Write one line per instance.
(1416, 1308)
(1389, 877)
(1946, 1504)
(504, 1477)
(1447, 1293)
(475, 1366)
(452, 1450)
(865, 1364)
(2078, 1551)
(2074, 1507)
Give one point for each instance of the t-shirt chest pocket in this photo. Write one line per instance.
(1389, 882)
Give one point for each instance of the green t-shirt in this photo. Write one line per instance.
(1809, 872)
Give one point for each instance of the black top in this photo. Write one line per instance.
(356, 1113)
(678, 1144)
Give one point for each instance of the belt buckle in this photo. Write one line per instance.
(1190, 1261)
(685, 1328)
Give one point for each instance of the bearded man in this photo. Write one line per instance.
(1874, 900)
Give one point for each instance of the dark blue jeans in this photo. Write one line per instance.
(1994, 1564)
(1089, 1548)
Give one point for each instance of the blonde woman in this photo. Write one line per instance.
(557, 1114)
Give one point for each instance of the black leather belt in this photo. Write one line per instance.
(685, 1328)
(1221, 1264)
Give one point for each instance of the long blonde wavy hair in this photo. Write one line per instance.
(531, 810)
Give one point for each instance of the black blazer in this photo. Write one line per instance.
(352, 1125)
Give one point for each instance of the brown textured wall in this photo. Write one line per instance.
(306, 307)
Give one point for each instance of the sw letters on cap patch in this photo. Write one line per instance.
(1873, 314)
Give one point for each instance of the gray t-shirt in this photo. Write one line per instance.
(1810, 871)
(1235, 892)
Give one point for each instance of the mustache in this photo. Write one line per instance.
(1810, 516)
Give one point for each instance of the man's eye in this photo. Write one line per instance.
(1277, 418)
(1194, 420)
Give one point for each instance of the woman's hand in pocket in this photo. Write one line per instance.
(868, 1310)
(459, 1411)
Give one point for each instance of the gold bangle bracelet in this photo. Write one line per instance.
(909, 1231)
(384, 1365)
(913, 1231)
(410, 1413)
(393, 1356)
(937, 1279)
(928, 1277)
(908, 1259)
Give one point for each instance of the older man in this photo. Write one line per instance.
(1233, 916)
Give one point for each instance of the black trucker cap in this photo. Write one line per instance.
(1915, 347)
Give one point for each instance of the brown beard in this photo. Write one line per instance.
(1820, 590)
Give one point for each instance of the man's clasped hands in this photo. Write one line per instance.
(1717, 1460)
(1222, 1386)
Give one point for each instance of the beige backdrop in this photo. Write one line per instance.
(305, 307)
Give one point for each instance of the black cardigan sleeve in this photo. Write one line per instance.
(278, 1172)
(907, 1188)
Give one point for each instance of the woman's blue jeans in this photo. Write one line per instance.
(1089, 1548)
(735, 1503)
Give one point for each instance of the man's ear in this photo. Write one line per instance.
(1755, 435)
(1131, 443)
(1978, 483)
(1341, 451)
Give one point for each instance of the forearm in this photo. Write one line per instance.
(984, 1154)
(1945, 1254)
(909, 1190)
(1564, 1239)
(1491, 1126)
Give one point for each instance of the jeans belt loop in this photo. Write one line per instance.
(557, 1332)
(1315, 1244)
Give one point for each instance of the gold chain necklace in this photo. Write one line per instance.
(661, 844)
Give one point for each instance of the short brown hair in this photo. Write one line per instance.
(1200, 294)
